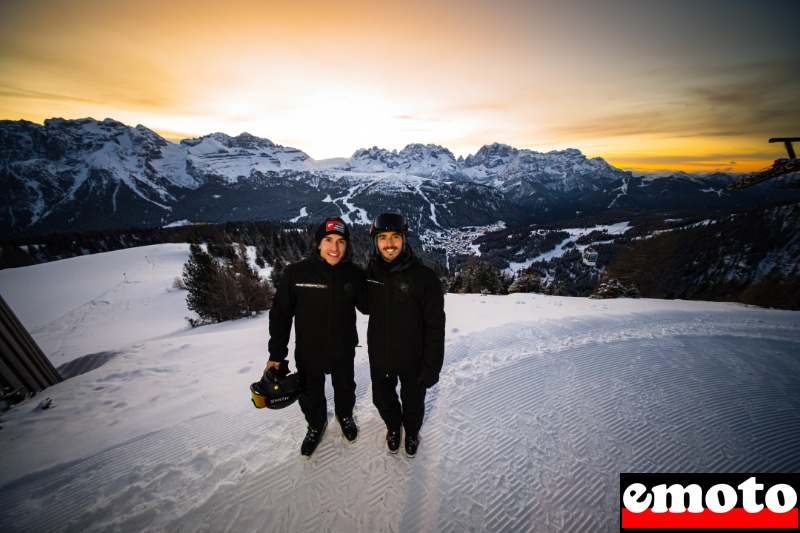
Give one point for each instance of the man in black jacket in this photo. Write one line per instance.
(405, 333)
(320, 294)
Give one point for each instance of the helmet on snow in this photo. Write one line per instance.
(276, 389)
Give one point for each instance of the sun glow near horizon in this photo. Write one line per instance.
(674, 88)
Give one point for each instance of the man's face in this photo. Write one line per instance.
(331, 248)
(390, 244)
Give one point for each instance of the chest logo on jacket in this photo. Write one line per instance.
(312, 285)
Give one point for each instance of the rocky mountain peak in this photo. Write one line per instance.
(88, 174)
(491, 156)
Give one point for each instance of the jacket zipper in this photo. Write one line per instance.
(386, 299)
(330, 312)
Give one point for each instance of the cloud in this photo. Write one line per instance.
(753, 101)
(30, 94)
(625, 78)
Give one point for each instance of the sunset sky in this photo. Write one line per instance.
(693, 85)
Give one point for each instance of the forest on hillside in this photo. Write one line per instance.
(750, 257)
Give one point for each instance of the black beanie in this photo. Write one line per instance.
(332, 225)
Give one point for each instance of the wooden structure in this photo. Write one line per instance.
(24, 369)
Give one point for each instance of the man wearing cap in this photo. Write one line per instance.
(405, 333)
(320, 294)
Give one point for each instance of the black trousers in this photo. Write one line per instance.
(313, 402)
(408, 410)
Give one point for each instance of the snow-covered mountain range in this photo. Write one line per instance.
(75, 175)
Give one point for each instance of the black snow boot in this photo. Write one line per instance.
(349, 429)
(412, 443)
(393, 440)
(313, 436)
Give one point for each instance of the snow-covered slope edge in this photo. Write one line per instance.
(543, 401)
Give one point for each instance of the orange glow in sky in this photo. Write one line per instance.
(645, 84)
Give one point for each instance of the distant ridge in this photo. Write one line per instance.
(76, 175)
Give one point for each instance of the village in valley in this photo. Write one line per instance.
(458, 241)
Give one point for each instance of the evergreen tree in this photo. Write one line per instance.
(278, 265)
(200, 274)
(253, 295)
(486, 279)
(527, 281)
(479, 277)
(260, 258)
(12, 256)
(226, 290)
(224, 298)
(615, 288)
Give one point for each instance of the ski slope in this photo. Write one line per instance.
(543, 401)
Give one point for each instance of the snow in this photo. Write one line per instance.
(172, 163)
(562, 248)
(212, 154)
(623, 191)
(303, 213)
(359, 215)
(179, 223)
(542, 402)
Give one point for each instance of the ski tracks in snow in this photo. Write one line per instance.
(528, 430)
(551, 413)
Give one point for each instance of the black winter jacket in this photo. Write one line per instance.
(321, 299)
(407, 319)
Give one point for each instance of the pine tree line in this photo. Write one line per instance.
(269, 236)
(661, 255)
(483, 277)
(751, 257)
(224, 288)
